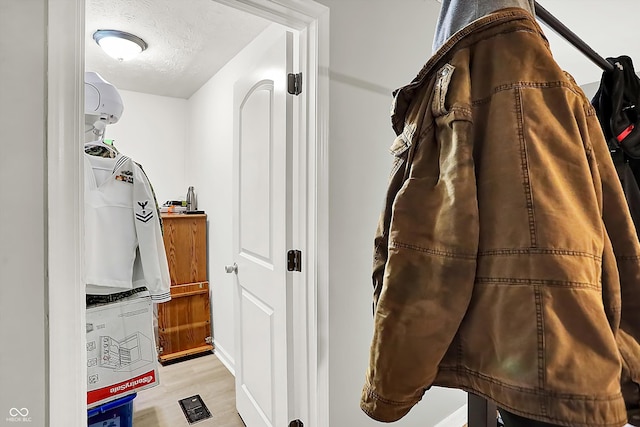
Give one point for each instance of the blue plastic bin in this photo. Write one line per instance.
(117, 413)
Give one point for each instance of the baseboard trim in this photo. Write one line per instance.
(224, 357)
(457, 419)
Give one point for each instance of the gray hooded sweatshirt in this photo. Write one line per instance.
(457, 14)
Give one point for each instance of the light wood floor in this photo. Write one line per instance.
(204, 375)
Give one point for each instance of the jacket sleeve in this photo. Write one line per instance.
(623, 297)
(425, 261)
(400, 150)
(151, 252)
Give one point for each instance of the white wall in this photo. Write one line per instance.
(376, 46)
(23, 185)
(153, 132)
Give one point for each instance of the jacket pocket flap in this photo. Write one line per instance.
(438, 107)
(400, 146)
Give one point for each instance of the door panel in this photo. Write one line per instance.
(257, 363)
(262, 224)
(256, 146)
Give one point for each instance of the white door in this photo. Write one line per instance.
(262, 226)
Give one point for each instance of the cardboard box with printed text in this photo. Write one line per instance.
(121, 350)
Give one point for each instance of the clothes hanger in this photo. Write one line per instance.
(97, 148)
(98, 129)
(564, 32)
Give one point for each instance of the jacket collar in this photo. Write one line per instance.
(512, 17)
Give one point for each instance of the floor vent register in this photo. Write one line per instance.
(194, 409)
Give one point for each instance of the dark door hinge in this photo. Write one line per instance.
(294, 84)
(294, 260)
(296, 423)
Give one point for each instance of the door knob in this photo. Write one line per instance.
(231, 268)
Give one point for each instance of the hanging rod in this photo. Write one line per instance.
(562, 30)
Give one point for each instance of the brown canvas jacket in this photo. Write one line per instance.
(506, 262)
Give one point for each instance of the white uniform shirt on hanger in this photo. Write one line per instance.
(121, 224)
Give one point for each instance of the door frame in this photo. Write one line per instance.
(66, 309)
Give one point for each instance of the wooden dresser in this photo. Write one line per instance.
(184, 323)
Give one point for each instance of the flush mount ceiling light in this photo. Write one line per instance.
(118, 44)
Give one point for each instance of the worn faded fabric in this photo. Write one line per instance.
(457, 14)
(506, 261)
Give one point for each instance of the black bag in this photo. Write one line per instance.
(617, 105)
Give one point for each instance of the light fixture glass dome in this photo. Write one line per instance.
(118, 44)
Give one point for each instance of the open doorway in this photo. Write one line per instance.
(303, 297)
(180, 123)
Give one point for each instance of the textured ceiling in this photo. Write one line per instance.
(189, 41)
